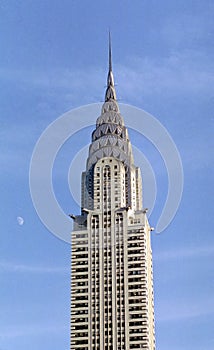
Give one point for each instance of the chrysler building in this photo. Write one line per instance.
(112, 304)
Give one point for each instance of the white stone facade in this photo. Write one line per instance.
(112, 283)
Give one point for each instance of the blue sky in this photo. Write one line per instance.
(54, 58)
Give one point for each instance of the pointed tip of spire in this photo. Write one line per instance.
(110, 55)
(110, 91)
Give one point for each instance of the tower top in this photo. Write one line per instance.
(109, 51)
(110, 90)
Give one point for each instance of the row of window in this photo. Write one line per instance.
(115, 166)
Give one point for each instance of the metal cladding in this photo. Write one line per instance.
(112, 280)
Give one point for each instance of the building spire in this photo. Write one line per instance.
(110, 91)
(109, 51)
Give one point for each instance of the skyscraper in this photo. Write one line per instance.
(112, 283)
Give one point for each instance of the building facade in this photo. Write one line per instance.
(112, 282)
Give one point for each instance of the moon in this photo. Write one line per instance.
(20, 220)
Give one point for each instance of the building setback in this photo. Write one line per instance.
(112, 281)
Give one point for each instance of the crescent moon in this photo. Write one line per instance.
(20, 220)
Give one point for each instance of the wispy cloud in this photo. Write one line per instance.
(192, 252)
(180, 73)
(186, 71)
(24, 268)
(31, 330)
(188, 28)
(178, 310)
